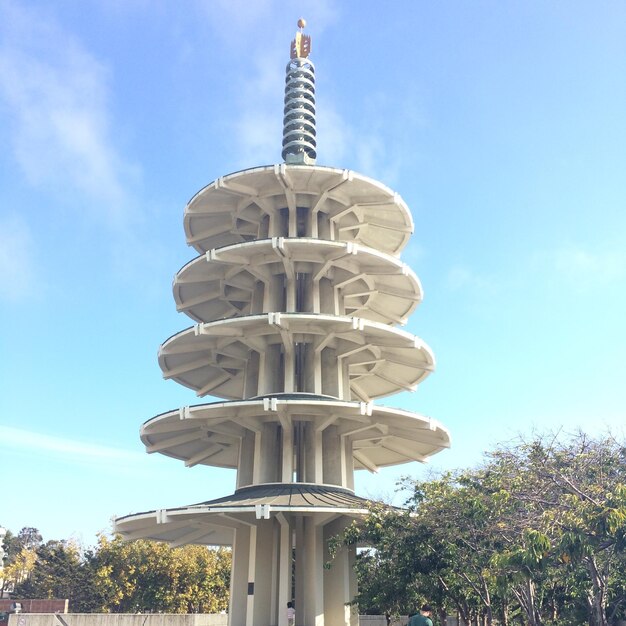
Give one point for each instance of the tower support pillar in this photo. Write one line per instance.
(314, 573)
(260, 581)
(239, 577)
(284, 569)
(339, 579)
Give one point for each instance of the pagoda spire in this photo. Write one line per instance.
(299, 134)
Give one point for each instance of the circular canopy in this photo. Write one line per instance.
(360, 209)
(210, 434)
(213, 522)
(371, 284)
(211, 358)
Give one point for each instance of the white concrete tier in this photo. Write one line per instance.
(274, 530)
(297, 201)
(213, 522)
(305, 275)
(344, 357)
(212, 434)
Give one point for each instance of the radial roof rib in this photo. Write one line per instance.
(200, 535)
(171, 442)
(397, 446)
(362, 458)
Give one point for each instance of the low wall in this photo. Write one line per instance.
(379, 620)
(35, 606)
(116, 619)
(149, 619)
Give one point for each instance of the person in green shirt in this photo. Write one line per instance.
(422, 618)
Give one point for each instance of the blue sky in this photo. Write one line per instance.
(502, 124)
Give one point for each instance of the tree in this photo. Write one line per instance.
(20, 556)
(151, 576)
(387, 574)
(18, 568)
(437, 550)
(536, 533)
(59, 572)
(117, 576)
(578, 490)
(29, 538)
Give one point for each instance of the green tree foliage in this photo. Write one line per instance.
(60, 571)
(536, 535)
(577, 491)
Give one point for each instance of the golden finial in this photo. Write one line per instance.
(301, 45)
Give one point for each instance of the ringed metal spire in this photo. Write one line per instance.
(299, 135)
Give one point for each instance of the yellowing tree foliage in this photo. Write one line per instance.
(141, 576)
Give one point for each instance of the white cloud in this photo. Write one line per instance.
(334, 136)
(341, 141)
(583, 268)
(248, 20)
(46, 459)
(242, 16)
(414, 254)
(56, 92)
(258, 127)
(461, 277)
(364, 134)
(377, 137)
(375, 160)
(258, 114)
(69, 449)
(17, 273)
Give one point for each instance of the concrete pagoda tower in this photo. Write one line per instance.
(297, 293)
